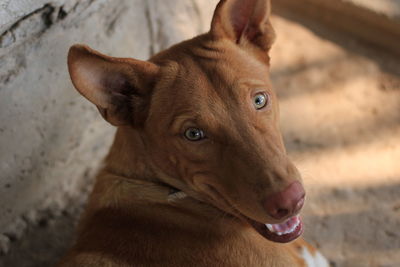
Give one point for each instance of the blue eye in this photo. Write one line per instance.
(260, 100)
(194, 134)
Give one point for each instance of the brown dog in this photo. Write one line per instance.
(198, 174)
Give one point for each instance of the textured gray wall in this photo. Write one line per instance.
(51, 139)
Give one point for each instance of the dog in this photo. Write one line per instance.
(198, 173)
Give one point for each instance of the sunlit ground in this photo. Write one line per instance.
(340, 115)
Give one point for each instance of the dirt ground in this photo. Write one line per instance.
(340, 110)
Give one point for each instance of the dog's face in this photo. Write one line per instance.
(208, 116)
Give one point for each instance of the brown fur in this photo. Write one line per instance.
(207, 82)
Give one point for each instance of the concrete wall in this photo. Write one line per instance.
(51, 139)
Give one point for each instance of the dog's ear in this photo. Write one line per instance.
(119, 87)
(246, 22)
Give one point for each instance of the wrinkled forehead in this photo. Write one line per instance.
(204, 78)
(225, 67)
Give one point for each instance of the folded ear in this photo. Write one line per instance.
(246, 22)
(119, 87)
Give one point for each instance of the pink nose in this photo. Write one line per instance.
(287, 202)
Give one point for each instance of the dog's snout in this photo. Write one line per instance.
(285, 203)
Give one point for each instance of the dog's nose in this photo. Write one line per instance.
(287, 202)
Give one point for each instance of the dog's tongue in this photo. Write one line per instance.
(284, 228)
(280, 232)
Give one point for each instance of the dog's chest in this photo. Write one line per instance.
(206, 246)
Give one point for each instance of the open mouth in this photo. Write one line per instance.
(281, 232)
(284, 232)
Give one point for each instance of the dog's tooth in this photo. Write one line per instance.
(296, 224)
(285, 232)
(293, 228)
(270, 227)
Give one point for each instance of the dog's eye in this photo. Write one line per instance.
(260, 100)
(194, 134)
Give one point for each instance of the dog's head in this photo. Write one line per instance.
(208, 116)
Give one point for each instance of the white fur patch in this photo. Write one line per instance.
(316, 260)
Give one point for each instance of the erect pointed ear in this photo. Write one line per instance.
(119, 87)
(246, 22)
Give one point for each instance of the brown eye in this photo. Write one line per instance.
(194, 134)
(260, 100)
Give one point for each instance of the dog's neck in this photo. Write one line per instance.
(128, 156)
(129, 160)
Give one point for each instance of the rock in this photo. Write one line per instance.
(16, 229)
(4, 244)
